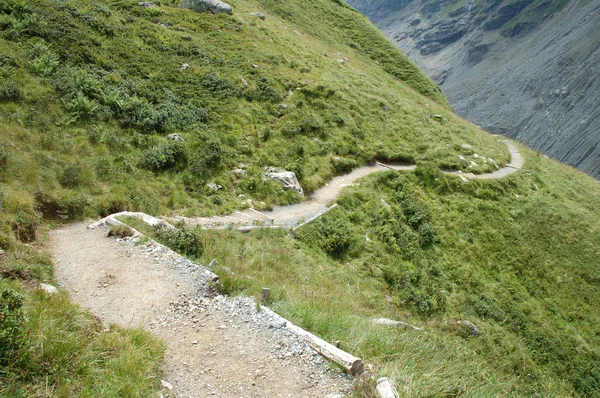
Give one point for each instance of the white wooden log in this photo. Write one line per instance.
(350, 363)
(313, 218)
(398, 324)
(152, 221)
(385, 388)
(111, 220)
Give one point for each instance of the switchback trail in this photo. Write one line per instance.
(318, 202)
(216, 346)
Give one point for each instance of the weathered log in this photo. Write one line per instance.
(398, 324)
(313, 218)
(350, 363)
(112, 220)
(152, 221)
(385, 388)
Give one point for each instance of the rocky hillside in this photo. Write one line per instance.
(526, 68)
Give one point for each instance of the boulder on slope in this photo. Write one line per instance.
(213, 6)
(287, 179)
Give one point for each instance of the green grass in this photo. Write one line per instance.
(514, 256)
(89, 92)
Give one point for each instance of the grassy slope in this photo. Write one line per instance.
(517, 257)
(89, 90)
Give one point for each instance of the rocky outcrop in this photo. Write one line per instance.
(214, 6)
(526, 68)
(287, 179)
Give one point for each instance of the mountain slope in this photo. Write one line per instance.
(525, 69)
(91, 95)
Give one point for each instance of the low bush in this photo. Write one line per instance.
(169, 155)
(332, 235)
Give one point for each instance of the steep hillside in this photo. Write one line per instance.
(110, 106)
(526, 69)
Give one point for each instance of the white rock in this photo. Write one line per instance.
(166, 384)
(183, 67)
(146, 4)
(214, 186)
(462, 159)
(48, 288)
(385, 204)
(175, 137)
(213, 6)
(239, 173)
(287, 179)
(464, 179)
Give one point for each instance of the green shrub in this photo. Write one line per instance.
(81, 106)
(73, 175)
(265, 91)
(426, 234)
(169, 155)
(310, 123)
(206, 154)
(290, 130)
(11, 321)
(187, 241)
(332, 235)
(211, 81)
(3, 161)
(26, 224)
(342, 164)
(42, 60)
(10, 90)
(486, 308)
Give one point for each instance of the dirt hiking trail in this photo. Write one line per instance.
(216, 346)
(318, 202)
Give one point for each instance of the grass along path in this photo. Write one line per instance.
(318, 203)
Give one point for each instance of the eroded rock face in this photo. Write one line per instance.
(213, 6)
(287, 179)
(535, 80)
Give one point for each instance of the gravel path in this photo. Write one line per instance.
(216, 346)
